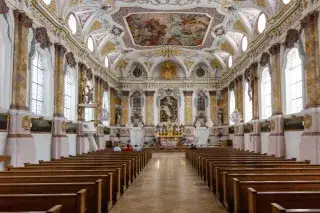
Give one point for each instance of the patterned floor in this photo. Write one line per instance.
(168, 184)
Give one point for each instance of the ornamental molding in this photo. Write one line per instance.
(281, 23)
(59, 32)
(157, 86)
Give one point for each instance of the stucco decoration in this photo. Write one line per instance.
(291, 38)
(70, 60)
(3, 7)
(42, 37)
(265, 59)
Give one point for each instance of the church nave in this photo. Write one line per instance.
(168, 184)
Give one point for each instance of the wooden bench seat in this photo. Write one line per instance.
(239, 203)
(107, 196)
(71, 202)
(276, 208)
(216, 179)
(55, 209)
(260, 202)
(93, 191)
(119, 177)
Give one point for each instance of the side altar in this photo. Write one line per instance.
(169, 135)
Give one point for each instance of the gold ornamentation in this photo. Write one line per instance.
(226, 46)
(307, 121)
(239, 26)
(108, 47)
(122, 64)
(96, 26)
(168, 70)
(272, 125)
(168, 52)
(26, 122)
(64, 126)
(188, 64)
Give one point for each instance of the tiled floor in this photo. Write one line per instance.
(168, 184)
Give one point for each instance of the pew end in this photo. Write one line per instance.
(276, 208)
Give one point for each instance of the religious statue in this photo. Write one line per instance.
(168, 70)
(118, 114)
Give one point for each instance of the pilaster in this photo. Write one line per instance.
(310, 139)
(213, 105)
(276, 79)
(125, 108)
(149, 108)
(188, 117)
(20, 143)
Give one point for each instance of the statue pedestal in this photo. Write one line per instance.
(136, 136)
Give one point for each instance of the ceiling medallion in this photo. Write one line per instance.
(219, 31)
(116, 31)
(168, 52)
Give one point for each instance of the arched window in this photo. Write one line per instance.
(72, 24)
(232, 104)
(244, 43)
(90, 44)
(248, 103)
(47, 2)
(106, 62)
(262, 22)
(230, 61)
(293, 82)
(266, 109)
(201, 105)
(37, 80)
(105, 107)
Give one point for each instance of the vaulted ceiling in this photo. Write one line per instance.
(124, 32)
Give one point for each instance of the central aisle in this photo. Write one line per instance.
(168, 184)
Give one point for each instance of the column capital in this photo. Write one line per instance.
(41, 36)
(59, 49)
(71, 61)
(187, 93)
(22, 19)
(291, 38)
(310, 19)
(212, 93)
(275, 49)
(82, 67)
(3, 7)
(149, 93)
(264, 59)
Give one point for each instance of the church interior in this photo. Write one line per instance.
(214, 105)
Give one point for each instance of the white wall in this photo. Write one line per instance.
(3, 138)
(43, 146)
(292, 141)
(264, 142)
(246, 141)
(72, 140)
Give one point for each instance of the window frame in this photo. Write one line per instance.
(76, 24)
(260, 95)
(283, 80)
(258, 20)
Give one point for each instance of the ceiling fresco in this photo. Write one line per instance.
(158, 29)
(150, 32)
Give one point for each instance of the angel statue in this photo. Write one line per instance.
(118, 114)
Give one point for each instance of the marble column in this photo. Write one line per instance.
(59, 140)
(125, 107)
(114, 100)
(239, 95)
(81, 111)
(97, 98)
(188, 117)
(276, 137)
(20, 144)
(213, 105)
(149, 108)
(310, 139)
(225, 106)
(255, 136)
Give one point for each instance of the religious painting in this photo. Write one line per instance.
(168, 70)
(168, 109)
(154, 29)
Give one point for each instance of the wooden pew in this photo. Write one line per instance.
(55, 209)
(93, 193)
(106, 185)
(240, 199)
(118, 183)
(276, 208)
(260, 202)
(227, 184)
(71, 202)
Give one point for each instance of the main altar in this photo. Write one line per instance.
(169, 135)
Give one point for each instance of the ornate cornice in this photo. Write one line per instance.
(285, 19)
(21, 18)
(157, 85)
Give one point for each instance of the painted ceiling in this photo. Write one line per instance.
(149, 32)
